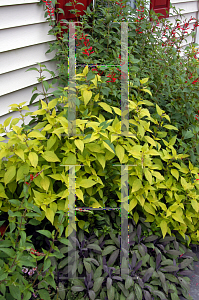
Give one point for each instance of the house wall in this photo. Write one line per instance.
(24, 41)
(190, 9)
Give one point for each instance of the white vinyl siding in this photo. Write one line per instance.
(190, 9)
(24, 41)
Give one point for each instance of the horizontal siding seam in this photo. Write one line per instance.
(32, 85)
(27, 66)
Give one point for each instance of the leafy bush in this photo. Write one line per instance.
(34, 185)
(156, 266)
(161, 187)
(155, 50)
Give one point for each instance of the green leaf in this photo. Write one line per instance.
(44, 294)
(46, 233)
(87, 266)
(138, 291)
(9, 252)
(47, 264)
(94, 247)
(61, 291)
(15, 292)
(160, 294)
(46, 85)
(108, 250)
(32, 69)
(128, 282)
(170, 268)
(27, 295)
(188, 134)
(97, 284)
(111, 293)
(77, 288)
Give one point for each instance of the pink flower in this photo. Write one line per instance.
(24, 270)
(31, 272)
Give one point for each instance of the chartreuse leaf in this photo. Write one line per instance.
(119, 152)
(80, 145)
(33, 157)
(85, 71)
(7, 122)
(108, 145)
(144, 80)
(147, 91)
(101, 159)
(36, 134)
(2, 192)
(52, 103)
(170, 127)
(50, 156)
(195, 205)
(20, 153)
(87, 95)
(159, 111)
(148, 175)
(148, 207)
(175, 173)
(79, 194)
(85, 183)
(9, 174)
(137, 184)
(132, 204)
(105, 107)
(163, 226)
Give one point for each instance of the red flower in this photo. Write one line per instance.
(113, 79)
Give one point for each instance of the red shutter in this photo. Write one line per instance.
(160, 6)
(68, 15)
